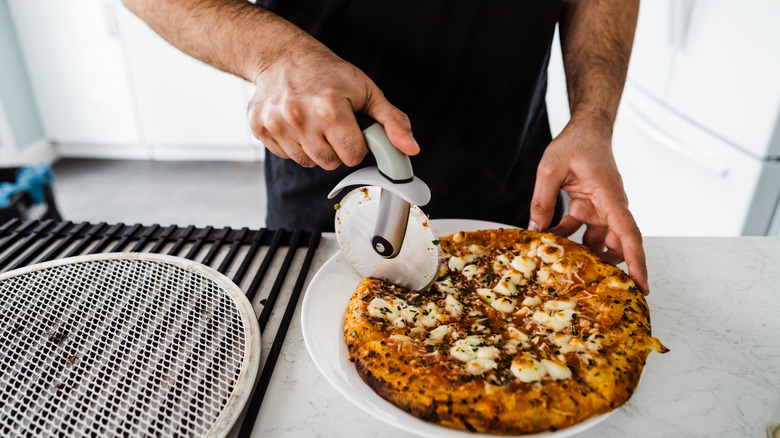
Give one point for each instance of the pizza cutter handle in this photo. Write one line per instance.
(392, 163)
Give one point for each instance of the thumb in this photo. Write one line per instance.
(546, 188)
(396, 123)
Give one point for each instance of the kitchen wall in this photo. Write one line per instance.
(19, 121)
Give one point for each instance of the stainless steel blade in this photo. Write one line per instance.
(417, 264)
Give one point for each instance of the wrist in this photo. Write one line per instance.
(593, 122)
(283, 39)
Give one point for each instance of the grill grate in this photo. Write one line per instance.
(254, 259)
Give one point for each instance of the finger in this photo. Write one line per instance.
(594, 238)
(321, 152)
(296, 153)
(566, 227)
(336, 124)
(397, 124)
(614, 250)
(626, 231)
(273, 147)
(636, 262)
(584, 210)
(548, 184)
(347, 140)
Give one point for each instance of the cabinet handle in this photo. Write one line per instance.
(672, 144)
(110, 16)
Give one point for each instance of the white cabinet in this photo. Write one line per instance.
(682, 180)
(726, 75)
(107, 86)
(74, 59)
(697, 138)
(184, 106)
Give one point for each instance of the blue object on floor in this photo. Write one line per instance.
(32, 179)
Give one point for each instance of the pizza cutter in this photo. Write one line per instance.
(379, 226)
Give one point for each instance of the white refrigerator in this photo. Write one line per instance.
(697, 138)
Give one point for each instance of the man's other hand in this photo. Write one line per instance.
(580, 161)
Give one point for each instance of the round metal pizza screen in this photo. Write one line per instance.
(128, 345)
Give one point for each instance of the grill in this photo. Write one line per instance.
(47, 354)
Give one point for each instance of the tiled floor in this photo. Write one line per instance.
(162, 192)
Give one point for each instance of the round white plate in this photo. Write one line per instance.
(322, 322)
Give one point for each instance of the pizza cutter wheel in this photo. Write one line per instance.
(380, 228)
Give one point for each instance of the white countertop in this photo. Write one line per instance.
(715, 302)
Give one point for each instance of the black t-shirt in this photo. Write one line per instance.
(471, 76)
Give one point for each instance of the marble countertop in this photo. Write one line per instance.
(715, 302)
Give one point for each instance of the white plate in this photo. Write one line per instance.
(323, 331)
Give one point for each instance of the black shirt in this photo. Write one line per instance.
(471, 76)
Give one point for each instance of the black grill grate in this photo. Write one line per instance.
(255, 260)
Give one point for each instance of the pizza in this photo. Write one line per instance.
(522, 332)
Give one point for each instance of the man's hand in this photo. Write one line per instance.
(580, 161)
(596, 39)
(306, 96)
(305, 103)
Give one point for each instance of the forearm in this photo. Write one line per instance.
(596, 41)
(232, 35)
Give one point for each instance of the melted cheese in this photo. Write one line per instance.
(473, 347)
(375, 307)
(446, 285)
(556, 370)
(400, 338)
(477, 250)
(487, 295)
(453, 306)
(516, 335)
(456, 263)
(439, 333)
(560, 304)
(431, 315)
(525, 265)
(527, 368)
(550, 252)
(615, 282)
(503, 304)
(532, 249)
(501, 263)
(557, 314)
(480, 366)
(470, 270)
(401, 314)
(531, 301)
(544, 275)
(508, 284)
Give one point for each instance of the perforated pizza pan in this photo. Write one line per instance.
(124, 345)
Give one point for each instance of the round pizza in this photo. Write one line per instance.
(522, 332)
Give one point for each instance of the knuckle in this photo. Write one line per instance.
(545, 171)
(274, 124)
(352, 146)
(302, 159)
(294, 113)
(403, 119)
(539, 207)
(326, 158)
(325, 108)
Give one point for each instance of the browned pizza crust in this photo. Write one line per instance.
(565, 337)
